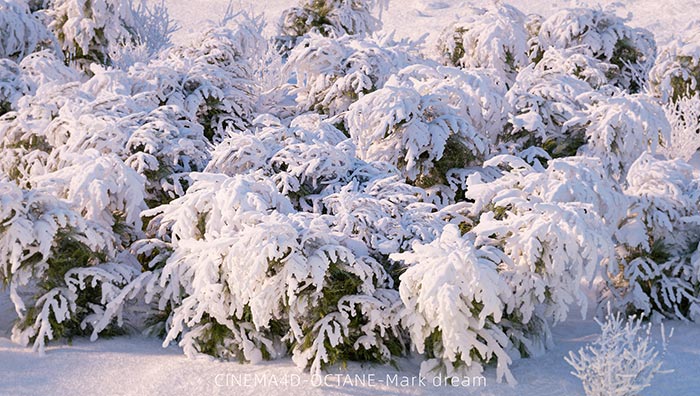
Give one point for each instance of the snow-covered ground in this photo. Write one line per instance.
(413, 18)
(140, 366)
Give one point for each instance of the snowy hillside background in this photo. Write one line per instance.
(311, 213)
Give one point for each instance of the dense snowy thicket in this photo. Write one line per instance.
(334, 194)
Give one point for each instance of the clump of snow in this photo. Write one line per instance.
(494, 38)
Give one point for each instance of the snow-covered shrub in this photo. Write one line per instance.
(555, 226)
(306, 171)
(533, 23)
(658, 272)
(454, 299)
(676, 73)
(332, 73)
(45, 67)
(86, 29)
(385, 213)
(307, 160)
(571, 62)
(250, 278)
(25, 148)
(428, 120)
(102, 189)
(43, 244)
(115, 113)
(488, 38)
(528, 240)
(620, 128)
(606, 37)
(242, 153)
(165, 147)
(313, 164)
(329, 18)
(565, 180)
(109, 32)
(622, 361)
(214, 78)
(477, 94)
(542, 104)
(11, 85)
(21, 32)
(684, 117)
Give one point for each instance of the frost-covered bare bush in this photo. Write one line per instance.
(622, 361)
(152, 29)
(293, 283)
(684, 117)
(620, 128)
(658, 243)
(329, 18)
(21, 32)
(454, 300)
(606, 37)
(542, 104)
(493, 38)
(428, 120)
(332, 73)
(43, 244)
(676, 73)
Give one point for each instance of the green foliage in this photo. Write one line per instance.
(458, 51)
(455, 155)
(215, 338)
(340, 283)
(67, 254)
(658, 273)
(566, 146)
(329, 18)
(683, 87)
(625, 54)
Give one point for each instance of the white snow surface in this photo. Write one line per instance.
(138, 365)
(414, 18)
